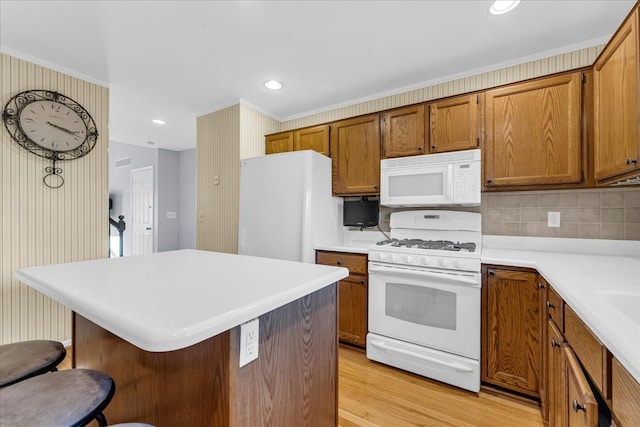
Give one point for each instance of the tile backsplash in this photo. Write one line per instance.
(607, 213)
(588, 214)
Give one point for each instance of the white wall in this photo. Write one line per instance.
(174, 182)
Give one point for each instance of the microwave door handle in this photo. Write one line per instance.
(453, 365)
(439, 276)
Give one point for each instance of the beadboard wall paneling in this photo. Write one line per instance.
(554, 64)
(224, 138)
(217, 155)
(42, 225)
(254, 125)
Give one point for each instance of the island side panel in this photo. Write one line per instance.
(294, 380)
(183, 387)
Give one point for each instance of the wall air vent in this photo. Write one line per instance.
(123, 163)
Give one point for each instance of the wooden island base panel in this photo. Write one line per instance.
(293, 381)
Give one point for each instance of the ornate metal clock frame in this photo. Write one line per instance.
(11, 117)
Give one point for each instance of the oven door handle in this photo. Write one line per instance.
(453, 365)
(440, 276)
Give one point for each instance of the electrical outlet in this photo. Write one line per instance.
(249, 340)
(171, 215)
(553, 219)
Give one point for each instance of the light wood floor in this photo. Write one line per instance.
(376, 395)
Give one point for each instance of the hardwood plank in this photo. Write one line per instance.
(372, 394)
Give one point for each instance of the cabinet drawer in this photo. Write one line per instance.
(356, 263)
(555, 308)
(625, 396)
(592, 354)
(356, 278)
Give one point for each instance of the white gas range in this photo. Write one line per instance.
(424, 296)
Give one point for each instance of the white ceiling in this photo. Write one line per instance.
(178, 60)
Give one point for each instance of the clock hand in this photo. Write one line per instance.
(62, 129)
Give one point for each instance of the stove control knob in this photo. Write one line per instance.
(394, 258)
(382, 256)
(412, 259)
(444, 262)
(426, 260)
(462, 263)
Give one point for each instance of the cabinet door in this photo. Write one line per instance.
(453, 124)
(512, 330)
(616, 96)
(555, 376)
(278, 142)
(352, 315)
(580, 405)
(403, 132)
(533, 133)
(314, 138)
(355, 153)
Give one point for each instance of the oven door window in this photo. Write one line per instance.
(421, 305)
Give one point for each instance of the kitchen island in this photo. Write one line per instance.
(166, 328)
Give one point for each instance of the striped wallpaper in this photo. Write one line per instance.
(224, 138)
(42, 225)
(554, 64)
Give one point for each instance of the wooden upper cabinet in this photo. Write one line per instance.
(616, 98)
(314, 138)
(511, 330)
(278, 142)
(453, 124)
(533, 133)
(403, 132)
(355, 154)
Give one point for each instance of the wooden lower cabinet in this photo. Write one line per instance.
(554, 390)
(511, 329)
(625, 397)
(353, 296)
(580, 404)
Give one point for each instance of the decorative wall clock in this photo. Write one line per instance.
(52, 126)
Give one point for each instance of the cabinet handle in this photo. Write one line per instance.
(492, 273)
(578, 407)
(554, 343)
(362, 281)
(489, 181)
(419, 148)
(433, 147)
(631, 161)
(339, 262)
(375, 187)
(540, 286)
(549, 305)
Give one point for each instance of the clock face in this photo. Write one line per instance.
(52, 125)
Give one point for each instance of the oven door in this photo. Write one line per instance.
(417, 185)
(427, 307)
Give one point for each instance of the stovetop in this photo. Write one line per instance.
(442, 245)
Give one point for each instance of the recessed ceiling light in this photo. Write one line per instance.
(273, 84)
(503, 6)
(158, 121)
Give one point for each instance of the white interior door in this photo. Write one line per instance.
(142, 207)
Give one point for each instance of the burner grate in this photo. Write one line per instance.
(445, 245)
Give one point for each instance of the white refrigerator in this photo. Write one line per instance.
(286, 206)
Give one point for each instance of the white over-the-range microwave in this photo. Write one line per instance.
(445, 179)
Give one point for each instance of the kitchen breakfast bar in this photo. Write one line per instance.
(166, 328)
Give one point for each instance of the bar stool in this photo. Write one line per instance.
(64, 398)
(26, 359)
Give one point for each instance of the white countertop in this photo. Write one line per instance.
(599, 279)
(353, 241)
(171, 300)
